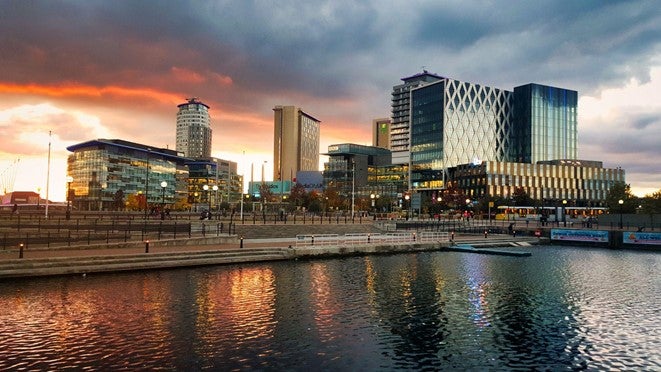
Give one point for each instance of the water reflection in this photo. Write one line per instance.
(561, 308)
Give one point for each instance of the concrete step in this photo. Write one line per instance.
(79, 265)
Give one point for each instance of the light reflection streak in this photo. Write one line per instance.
(323, 301)
(478, 290)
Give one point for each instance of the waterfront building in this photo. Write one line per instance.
(360, 171)
(106, 171)
(401, 111)
(581, 183)
(544, 124)
(381, 133)
(454, 122)
(212, 182)
(296, 142)
(193, 134)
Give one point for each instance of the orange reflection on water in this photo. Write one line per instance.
(234, 297)
(324, 303)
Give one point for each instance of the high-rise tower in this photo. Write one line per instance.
(295, 142)
(400, 133)
(193, 129)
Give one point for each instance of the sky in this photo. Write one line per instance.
(73, 71)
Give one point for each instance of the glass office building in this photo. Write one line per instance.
(545, 124)
(401, 114)
(454, 122)
(102, 170)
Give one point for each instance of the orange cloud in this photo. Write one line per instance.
(186, 75)
(79, 90)
(222, 79)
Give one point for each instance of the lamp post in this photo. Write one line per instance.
(406, 198)
(215, 192)
(564, 212)
(69, 180)
(208, 190)
(621, 203)
(163, 186)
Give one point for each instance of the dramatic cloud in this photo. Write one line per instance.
(128, 64)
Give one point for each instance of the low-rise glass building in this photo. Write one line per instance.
(105, 174)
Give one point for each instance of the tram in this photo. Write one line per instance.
(550, 214)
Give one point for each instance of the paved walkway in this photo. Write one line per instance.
(247, 243)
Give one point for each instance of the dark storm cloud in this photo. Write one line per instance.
(327, 48)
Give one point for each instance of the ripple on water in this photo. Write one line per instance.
(561, 308)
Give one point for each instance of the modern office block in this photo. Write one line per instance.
(454, 122)
(103, 170)
(401, 111)
(545, 123)
(583, 183)
(296, 142)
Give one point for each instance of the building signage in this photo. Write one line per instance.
(652, 238)
(597, 236)
(276, 187)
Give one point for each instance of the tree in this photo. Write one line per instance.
(621, 191)
(133, 202)
(118, 200)
(265, 193)
(454, 197)
(651, 203)
(297, 195)
(521, 197)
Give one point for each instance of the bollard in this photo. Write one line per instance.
(485, 234)
(514, 233)
(312, 239)
(452, 236)
(414, 237)
(368, 237)
(241, 242)
(146, 246)
(20, 250)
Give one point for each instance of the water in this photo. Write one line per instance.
(561, 309)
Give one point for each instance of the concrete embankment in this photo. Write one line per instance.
(203, 256)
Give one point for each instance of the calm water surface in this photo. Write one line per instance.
(561, 309)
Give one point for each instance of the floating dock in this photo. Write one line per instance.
(500, 252)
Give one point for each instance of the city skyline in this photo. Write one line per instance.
(118, 70)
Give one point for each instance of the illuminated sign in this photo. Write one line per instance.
(597, 236)
(651, 238)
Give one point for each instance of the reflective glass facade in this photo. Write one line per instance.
(101, 168)
(545, 123)
(454, 122)
(401, 111)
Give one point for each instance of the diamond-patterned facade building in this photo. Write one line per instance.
(454, 122)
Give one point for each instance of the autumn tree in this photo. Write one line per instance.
(621, 191)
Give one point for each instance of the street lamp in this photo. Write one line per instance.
(407, 197)
(564, 212)
(163, 186)
(208, 190)
(621, 203)
(215, 192)
(69, 180)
